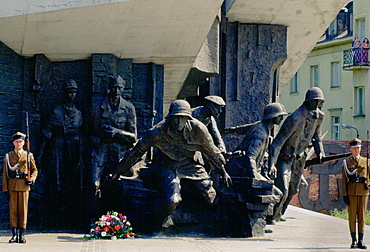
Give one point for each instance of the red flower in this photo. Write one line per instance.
(117, 227)
(97, 228)
(106, 229)
(127, 235)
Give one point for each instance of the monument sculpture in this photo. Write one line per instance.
(178, 138)
(112, 126)
(288, 149)
(212, 109)
(62, 136)
(256, 145)
(113, 130)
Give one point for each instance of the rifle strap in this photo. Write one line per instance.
(347, 172)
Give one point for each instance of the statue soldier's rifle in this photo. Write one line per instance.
(316, 161)
(237, 153)
(129, 174)
(28, 148)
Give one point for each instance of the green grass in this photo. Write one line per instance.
(343, 214)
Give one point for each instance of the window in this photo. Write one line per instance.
(294, 84)
(314, 76)
(335, 127)
(361, 29)
(359, 101)
(335, 74)
(333, 29)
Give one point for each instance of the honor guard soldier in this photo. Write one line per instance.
(17, 179)
(355, 177)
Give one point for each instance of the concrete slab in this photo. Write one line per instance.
(304, 230)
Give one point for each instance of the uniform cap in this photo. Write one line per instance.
(180, 108)
(70, 84)
(355, 142)
(273, 110)
(19, 136)
(215, 99)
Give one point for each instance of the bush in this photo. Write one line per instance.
(343, 214)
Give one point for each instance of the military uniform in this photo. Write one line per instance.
(15, 182)
(355, 177)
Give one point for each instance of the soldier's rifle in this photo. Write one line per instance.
(316, 161)
(28, 148)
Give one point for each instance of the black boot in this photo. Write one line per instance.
(354, 240)
(21, 238)
(14, 236)
(361, 244)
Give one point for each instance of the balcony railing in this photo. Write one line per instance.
(356, 58)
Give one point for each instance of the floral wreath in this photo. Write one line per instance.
(112, 226)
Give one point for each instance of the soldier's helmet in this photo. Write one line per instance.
(273, 110)
(314, 93)
(70, 84)
(116, 81)
(180, 108)
(215, 99)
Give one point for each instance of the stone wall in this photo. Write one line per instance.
(251, 55)
(11, 90)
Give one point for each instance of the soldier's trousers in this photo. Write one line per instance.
(170, 183)
(282, 182)
(357, 211)
(18, 208)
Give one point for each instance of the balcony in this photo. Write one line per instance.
(356, 59)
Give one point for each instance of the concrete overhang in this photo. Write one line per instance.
(168, 32)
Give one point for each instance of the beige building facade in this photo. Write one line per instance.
(332, 66)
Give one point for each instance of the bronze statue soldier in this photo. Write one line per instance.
(63, 131)
(18, 175)
(178, 138)
(62, 139)
(355, 191)
(256, 146)
(288, 149)
(114, 130)
(206, 114)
